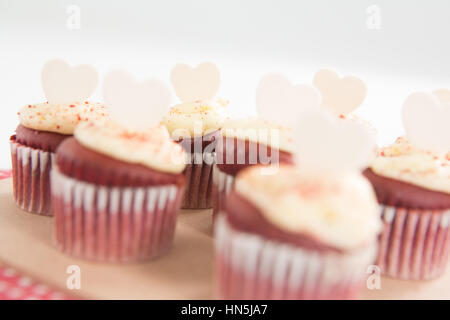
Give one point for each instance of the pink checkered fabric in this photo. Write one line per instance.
(16, 286)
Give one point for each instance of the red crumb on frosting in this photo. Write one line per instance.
(310, 190)
(72, 106)
(134, 136)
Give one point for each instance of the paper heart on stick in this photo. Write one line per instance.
(340, 95)
(323, 143)
(426, 119)
(199, 83)
(278, 100)
(65, 84)
(136, 105)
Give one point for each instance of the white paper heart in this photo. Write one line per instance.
(426, 119)
(340, 95)
(65, 84)
(280, 101)
(199, 83)
(323, 143)
(136, 105)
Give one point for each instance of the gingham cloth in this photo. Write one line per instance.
(14, 285)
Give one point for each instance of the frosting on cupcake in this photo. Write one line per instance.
(404, 162)
(192, 119)
(60, 118)
(261, 131)
(152, 147)
(340, 210)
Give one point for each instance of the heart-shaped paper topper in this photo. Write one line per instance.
(280, 101)
(340, 95)
(199, 83)
(136, 105)
(323, 143)
(426, 118)
(65, 84)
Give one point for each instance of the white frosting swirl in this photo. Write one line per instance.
(403, 162)
(261, 131)
(339, 210)
(152, 147)
(193, 119)
(61, 118)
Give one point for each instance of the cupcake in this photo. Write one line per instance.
(292, 235)
(306, 231)
(195, 124)
(412, 181)
(116, 192)
(117, 187)
(413, 188)
(264, 139)
(244, 143)
(42, 128)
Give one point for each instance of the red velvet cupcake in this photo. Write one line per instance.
(195, 125)
(265, 139)
(117, 192)
(295, 235)
(413, 188)
(42, 128)
(244, 143)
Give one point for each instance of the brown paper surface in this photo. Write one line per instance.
(185, 272)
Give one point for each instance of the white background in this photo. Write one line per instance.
(246, 38)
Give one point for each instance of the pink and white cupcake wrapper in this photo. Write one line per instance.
(415, 243)
(31, 178)
(223, 183)
(198, 194)
(113, 224)
(248, 266)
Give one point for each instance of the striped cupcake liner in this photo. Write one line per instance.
(222, 186)
(248, 266)
(414, 244)
(113, 224)
(198, 174)
(31, 178)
